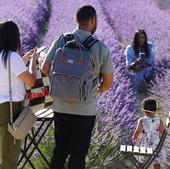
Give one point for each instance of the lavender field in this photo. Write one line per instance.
(42, 21)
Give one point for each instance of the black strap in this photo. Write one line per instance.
(88, 42)
(68, 37)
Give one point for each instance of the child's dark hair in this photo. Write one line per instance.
(149, 105)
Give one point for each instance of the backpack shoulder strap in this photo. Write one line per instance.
(89, 42)
(68, 37)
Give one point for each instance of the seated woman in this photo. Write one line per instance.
(140, 60)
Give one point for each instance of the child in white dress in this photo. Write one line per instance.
(148, 130)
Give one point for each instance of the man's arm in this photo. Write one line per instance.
(161, 127)
(106, 71)
(106, 84)
(46, 66)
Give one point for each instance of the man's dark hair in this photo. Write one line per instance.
(149, 104)
(85, 12)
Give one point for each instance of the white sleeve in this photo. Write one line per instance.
(17, 64)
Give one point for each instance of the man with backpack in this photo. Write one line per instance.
(79, 67)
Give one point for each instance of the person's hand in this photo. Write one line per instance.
(133, 139)
(35, 55)
(134, 68)
(27, 57)
(139, 61)
(32, 54)
(135, 65)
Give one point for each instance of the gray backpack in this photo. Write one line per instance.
(72, 73)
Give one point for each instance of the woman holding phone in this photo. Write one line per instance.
(10, 48)
(140, 60)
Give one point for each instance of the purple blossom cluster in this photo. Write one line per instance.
(128, 16)
(29, 15)
(140, 14)
(161, 90)
(117, 114)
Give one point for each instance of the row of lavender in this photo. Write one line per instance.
(119, 112)
(116, 107)
(146, 15)
(121, 21)
(161, 89)
(127, 16)
(141, 14)
(29, 15)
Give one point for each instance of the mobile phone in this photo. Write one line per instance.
(39, 50)
(141, 55)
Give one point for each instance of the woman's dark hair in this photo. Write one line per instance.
(9, 39)
(85, 12)
(135, 43)
(149, 104)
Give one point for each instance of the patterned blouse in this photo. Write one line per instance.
(150, 136)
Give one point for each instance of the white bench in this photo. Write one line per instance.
(136, 150)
